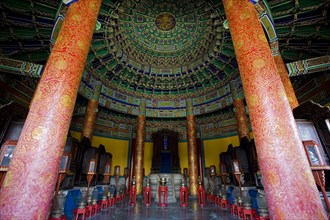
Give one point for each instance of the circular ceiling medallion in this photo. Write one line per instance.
(165, 21)
(164, 47)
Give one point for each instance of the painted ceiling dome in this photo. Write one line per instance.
(133, 44)
(161, 47)
(164, 42)
(163, 51)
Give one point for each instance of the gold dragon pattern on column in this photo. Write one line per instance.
(283, 72)
(139, 151)
(287, 177)
(241, 119)
(192, 149)
(240, 115)
(28, 188)
(91, 112)
(274, 46)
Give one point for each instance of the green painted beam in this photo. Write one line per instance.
(308, 66)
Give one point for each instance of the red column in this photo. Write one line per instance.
(192, 149)
(200, 159)
(282, 71)
(91, 112)
(28, 188)
(288, 180)
(139, 150)
(132, 161)
(241, 119)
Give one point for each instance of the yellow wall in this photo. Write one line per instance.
(147, 157)
(183, 155)
(212, 149)
(118, 149)
(75, 134)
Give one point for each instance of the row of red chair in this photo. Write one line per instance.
(236, 210)
(83, 212)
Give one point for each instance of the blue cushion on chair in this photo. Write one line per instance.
(71, 202)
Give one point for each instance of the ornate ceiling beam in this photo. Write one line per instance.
(308, 66)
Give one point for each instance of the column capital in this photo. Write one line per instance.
(142, 107)
(189, 107)
(97, 90)
(234, 90)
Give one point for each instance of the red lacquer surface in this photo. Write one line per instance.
(28, 188)
(288, 180)
(282, 71)
(90, 118)
(139, 152)
(192, 154)
(91, 112)
(241, 119)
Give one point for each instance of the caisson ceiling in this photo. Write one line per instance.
(165, 46)
(164, 51)
(162, 47)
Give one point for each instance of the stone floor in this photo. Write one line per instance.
(123, 211)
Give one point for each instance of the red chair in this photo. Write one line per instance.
(113, 201)
(224, 203)
(88, 212)
(249, 214)
(103, 203)
(79, 214)
(99, 207)
(118, 198)
(94, 208)
(262, 217)
(109, 202)
(211, 198)
(240, 213)
(233, 210)
(217, 200)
